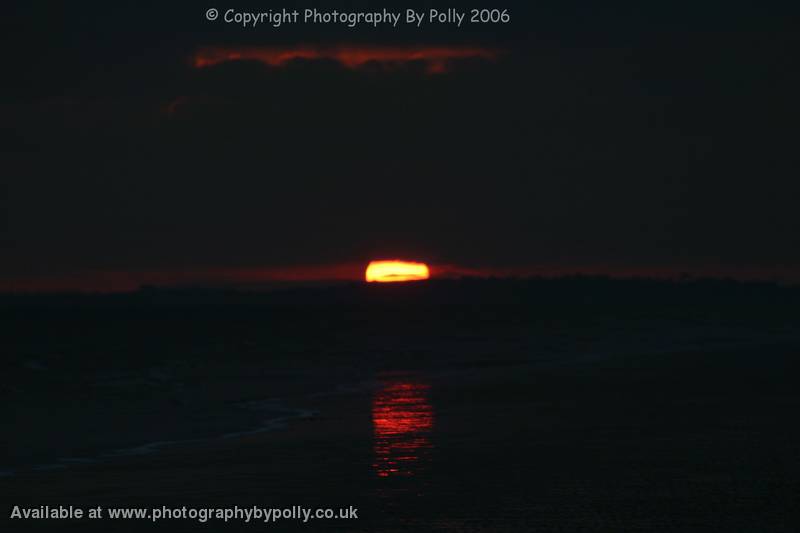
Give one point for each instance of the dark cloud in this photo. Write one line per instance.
(631, 145)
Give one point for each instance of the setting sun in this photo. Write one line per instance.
(396, 270)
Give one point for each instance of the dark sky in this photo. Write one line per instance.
(605, 137)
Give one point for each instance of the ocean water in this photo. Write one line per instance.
(422, 413)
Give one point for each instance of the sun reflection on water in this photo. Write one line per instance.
(402, 418)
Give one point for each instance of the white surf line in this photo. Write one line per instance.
(271, 424)
(280, 422)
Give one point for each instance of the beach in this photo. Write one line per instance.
(593, 424)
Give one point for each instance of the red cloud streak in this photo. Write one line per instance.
(435, 58)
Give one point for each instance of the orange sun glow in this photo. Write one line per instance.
(396, 270)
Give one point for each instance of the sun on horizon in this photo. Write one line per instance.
(394, 270)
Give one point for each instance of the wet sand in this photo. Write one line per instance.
(615, 425)
(539, 448)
